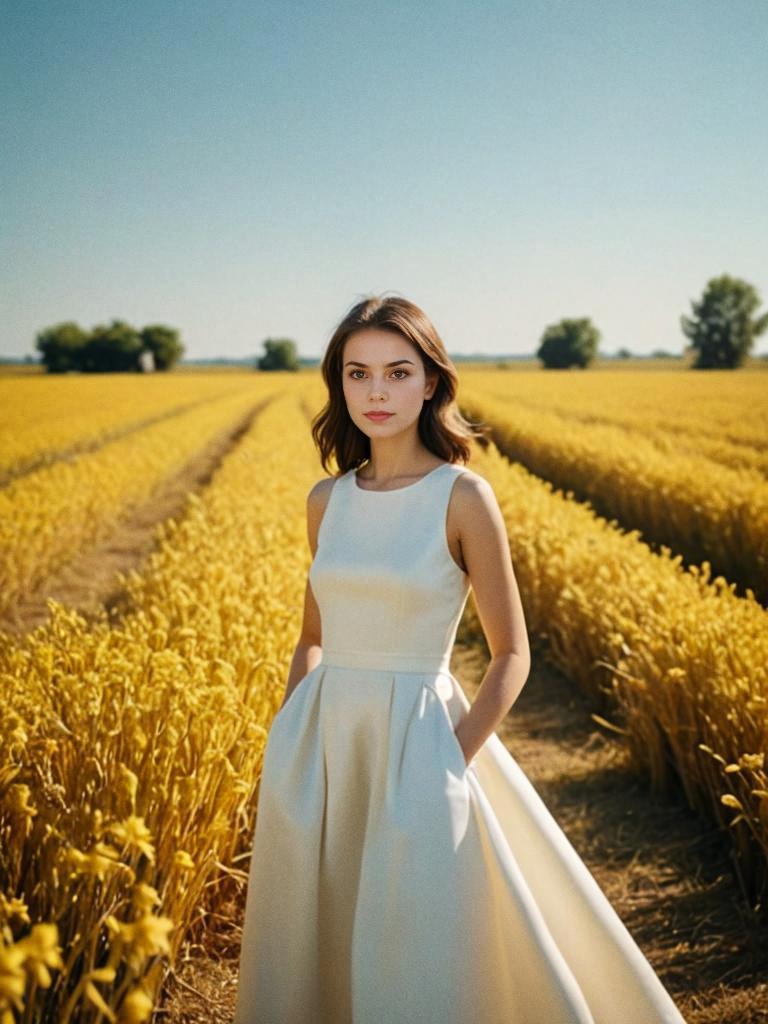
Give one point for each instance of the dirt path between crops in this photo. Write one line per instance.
(91, 582)
(664, 870)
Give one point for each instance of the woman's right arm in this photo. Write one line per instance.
(309, 649)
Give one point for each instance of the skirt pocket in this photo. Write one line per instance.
(451, 729)
(302, 685)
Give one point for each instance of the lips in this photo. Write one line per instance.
(378, 416)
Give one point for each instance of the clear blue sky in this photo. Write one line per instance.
(248, 169)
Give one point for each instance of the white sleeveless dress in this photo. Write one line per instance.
(390, 883)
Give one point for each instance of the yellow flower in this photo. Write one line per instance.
(754, 761)
(100, 859)
(183, 860)
(145, 897)
(41, 951)
(136, 1007)
(145, 938)
(17, 801)
(150, 934)
(13, 979)
(13, 908)
(135, 836)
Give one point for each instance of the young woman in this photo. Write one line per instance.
(404, 869)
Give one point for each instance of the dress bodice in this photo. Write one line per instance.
(389, 592)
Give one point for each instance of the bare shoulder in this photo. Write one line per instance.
(320, 491)
(318, 496)
(475, 514)
(473, 492)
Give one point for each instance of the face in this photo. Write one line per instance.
(382, 371)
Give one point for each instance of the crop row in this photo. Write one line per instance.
(720, 414)
(45, 419)
(130, 753)
(699, 508)
(50, 516)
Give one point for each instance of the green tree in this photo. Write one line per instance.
(572, 342)
(164, 344)
(722, 329)
(62, 347)
(112, 348)
(279, 354)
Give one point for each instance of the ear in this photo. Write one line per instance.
(432, 378)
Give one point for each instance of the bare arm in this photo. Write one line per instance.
(309, 649)
(485, 550)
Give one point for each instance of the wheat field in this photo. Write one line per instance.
(132, 732)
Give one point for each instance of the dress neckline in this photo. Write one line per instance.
(396, 490)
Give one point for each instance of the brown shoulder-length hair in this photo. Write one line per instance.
(442, 428)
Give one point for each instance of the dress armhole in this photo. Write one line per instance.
(327, 509)
(444, 530)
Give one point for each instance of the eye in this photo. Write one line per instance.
(398, 370)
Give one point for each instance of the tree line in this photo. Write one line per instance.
(722, 329)
(108, 348)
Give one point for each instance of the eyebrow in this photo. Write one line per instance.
(353, 362)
